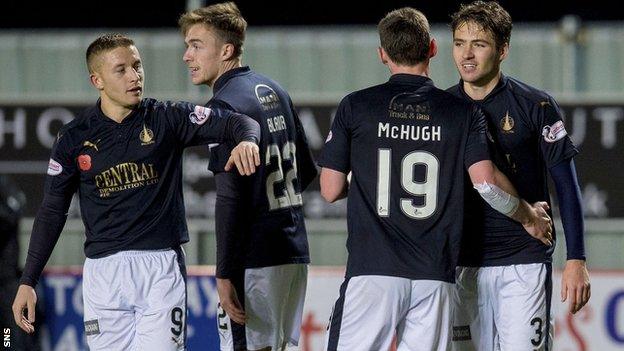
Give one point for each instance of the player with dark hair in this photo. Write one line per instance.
(124, 158)
(504, 282)
(407, 144)
(262, 261)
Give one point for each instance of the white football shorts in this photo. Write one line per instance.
(135, 300)
(273, 304)
(372, 309)
(504, 308)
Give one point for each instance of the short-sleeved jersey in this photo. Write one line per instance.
(274, 232)
(407, 144)
(528, 138)
(129, 174)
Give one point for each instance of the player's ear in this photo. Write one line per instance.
(227, 52)
(383, 57)
(433, 48)
(504, 51)
(96, 81)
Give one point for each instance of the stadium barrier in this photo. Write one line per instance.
(599, 326)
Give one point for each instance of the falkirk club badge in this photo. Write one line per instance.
(146, 136)
(507, 123)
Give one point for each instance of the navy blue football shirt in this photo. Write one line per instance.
(259, 219)
(528, 138)
(407, 145)
(128, 176)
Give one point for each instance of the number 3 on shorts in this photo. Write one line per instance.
(538, 331)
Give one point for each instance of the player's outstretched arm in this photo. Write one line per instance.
(25, 300)
(199, 125)
(245, 156)
(496, 189)
(334, 185)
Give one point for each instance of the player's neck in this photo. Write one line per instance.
(227, 66)
(114, 111)
(479, 90)
(421, 69)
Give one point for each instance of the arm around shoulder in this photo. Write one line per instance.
(496, 189)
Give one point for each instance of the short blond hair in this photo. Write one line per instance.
(105, 43)
(224, 18)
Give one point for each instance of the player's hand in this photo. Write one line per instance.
(229, 301)
(540, 224)
(245, 156)
(26, 298)
(575, 284)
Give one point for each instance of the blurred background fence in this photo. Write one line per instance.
(44, 84)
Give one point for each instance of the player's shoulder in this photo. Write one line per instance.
(246, 80)
(455, 90)
(153, 105)
(267, 89)
(366, 95)
(451, 100)
(529, 94)
(80, 125)
(456, 94)
(368, 91)
(262, 79)
(434, 95)
(159, 110)
(246, 91)
(232, 86)
(451, 97)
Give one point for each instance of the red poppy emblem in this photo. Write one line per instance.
(84, 162)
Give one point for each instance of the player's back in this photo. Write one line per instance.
(275, 233)
(409, 143)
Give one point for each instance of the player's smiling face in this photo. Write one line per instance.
(203, 54)
(475, 53)
(119, 77)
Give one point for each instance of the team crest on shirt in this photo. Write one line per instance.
(200, 115)
(54, 168)
(507, 123)
(554, 132)
(146, 136)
